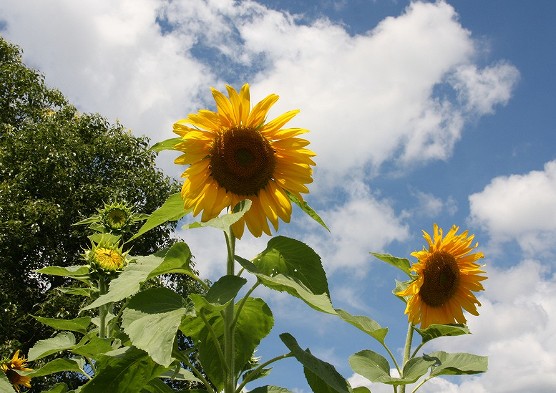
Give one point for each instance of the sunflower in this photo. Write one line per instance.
(447, 276)
(235, 154)
(10, 368)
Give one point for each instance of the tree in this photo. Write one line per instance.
(58, 166)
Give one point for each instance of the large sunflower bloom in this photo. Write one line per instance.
(447, 276)
(234, 154)
(9, 367)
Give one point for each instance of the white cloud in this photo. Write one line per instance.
(361, 224)
(367, 98)
(520, 208)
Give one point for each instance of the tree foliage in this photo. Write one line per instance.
(58, 166)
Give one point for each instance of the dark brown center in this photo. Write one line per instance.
(441, 279)
(242, 161)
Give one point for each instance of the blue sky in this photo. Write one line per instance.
(419, 113)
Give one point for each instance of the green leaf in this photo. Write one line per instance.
(171, 210)
(151, 320)
(176, 260)
(157, 386)
(365, 324)
(180, 375)
(307, 209)
(56, 366)
(224, 221)
(292, 266)
(457, 363)
(167, 144)
(75, 325)
(253, 324)
(436, 330)
(326, 373)
(60, 342)
(5, 385)
(219, 295)
(401, 263)
(78, 272)
(93, 347)
(415, 368)
(87, 292)
(225, 289)
(294, 259)
(361, 389)
(320, 302)
(58, 388)
(372, 366)
(126, 370)
(270, 389)
(129, 281)
(401, 286)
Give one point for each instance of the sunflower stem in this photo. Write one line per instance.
(103, 310)
(407, 351)
(230, 380)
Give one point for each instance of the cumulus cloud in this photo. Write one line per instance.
(368, 98)
(519, 208)
(362, 223)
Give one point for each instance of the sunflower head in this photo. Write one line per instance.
(116, 217)
(234, 154)
(106, 258)
(446, 277)
(11, 367)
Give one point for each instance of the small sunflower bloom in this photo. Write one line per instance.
(106, 258)
(11, 368)
(446, 277)
(234, 154)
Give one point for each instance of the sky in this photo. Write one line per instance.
(419, 112)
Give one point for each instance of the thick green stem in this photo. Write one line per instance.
(407, 351)
(229, 350)
(103, 310)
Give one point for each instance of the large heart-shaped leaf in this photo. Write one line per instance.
(151, 320)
